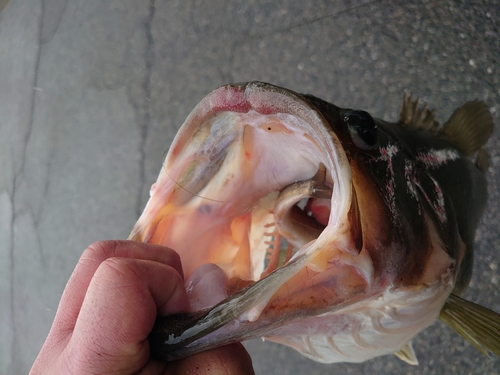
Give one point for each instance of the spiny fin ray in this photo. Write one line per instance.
(416, 116)
(469, 127)
(479, 325)
(407, 354)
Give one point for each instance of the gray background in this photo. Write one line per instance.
(92, 92)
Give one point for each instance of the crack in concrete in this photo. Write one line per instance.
(46, 38)
(247, 37)
(32, 106)
(256, 36)
(326, 16)
(146, 87)
(17, 181)
(11, 289)
(38, 215)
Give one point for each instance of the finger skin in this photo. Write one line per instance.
(111, 333)
(230, 359)
(97, 266)
(91, 259)
(109, 307)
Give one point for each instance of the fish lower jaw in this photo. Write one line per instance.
(370, 322)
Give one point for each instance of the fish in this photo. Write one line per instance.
(321, 228)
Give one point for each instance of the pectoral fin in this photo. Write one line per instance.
(407, 354)
(479, 325)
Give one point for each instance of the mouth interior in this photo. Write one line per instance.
(227, 201)
(233, 199)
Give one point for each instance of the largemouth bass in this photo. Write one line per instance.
(318, 227)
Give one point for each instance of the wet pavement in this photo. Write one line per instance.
(92, 93)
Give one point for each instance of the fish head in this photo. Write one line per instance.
(274, 202)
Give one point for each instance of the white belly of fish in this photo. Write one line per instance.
(378, 326)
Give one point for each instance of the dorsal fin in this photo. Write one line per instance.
(416, 116)
(469, 127)
(482, 160)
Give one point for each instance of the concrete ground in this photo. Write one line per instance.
(92, 92)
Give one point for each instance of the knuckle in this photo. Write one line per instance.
(118, 268)
(100, 250)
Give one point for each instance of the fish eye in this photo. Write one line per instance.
(362, 128)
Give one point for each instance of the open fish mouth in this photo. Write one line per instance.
(256, 196)
(253, 169)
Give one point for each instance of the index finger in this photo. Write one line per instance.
(76, 288)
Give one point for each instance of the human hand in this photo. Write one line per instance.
(109, 307)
